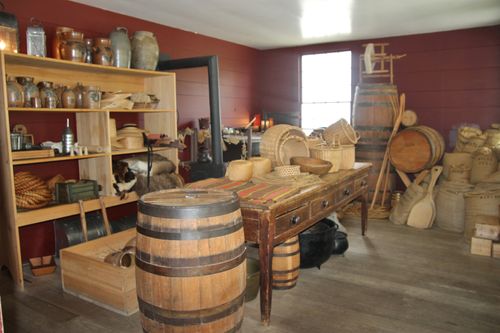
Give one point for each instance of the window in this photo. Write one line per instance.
(326, 89)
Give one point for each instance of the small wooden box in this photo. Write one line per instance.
(496, 250)
(42, 265)
(85, 274)
(487, 231)
(84, 189)
(481, 247)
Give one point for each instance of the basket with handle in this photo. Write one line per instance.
(330, 153)
(342, 132)
(287, 170)
(281, 142)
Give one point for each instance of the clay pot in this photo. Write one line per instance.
(68, 98)
(120, 44)
(103, 54)
(30, 90)
(72, 47)
(15, 95)
(145, 50)
(56, 42)
(91, 98)
(78, 90)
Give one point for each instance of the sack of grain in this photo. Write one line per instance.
(452, 159)
(450, 205)
(412, 195)
(484, 163)
(480, 207)
(469, 139)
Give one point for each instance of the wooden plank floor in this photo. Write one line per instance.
(397, 279)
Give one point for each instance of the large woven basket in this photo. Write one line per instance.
(341, 132)
(282, 142)
(332, 154)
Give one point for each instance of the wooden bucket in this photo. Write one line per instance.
(374, 154)
(281, 142)
(286, 263)
(190, 261)
(416, 148)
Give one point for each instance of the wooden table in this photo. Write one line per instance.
(269, 225)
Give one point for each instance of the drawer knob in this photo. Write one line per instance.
(347, 192)
(295, 219)
(364, 183)
(325, 203)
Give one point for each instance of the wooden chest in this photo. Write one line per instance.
(85, 274)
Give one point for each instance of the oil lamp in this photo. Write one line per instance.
(9, 31)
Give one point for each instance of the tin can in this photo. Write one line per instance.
(36, 40)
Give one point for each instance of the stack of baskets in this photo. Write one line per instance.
(282, 142)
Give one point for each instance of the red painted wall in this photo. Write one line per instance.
(448, 77)
(237, 72)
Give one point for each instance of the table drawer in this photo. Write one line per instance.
(344, 192)
(288, 220)
(323, 203)
(360, 183)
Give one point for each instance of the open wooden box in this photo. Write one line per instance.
(85, 274)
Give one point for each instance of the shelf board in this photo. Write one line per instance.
(56, 159)
(60, 211)
(12, 109)
(138, 151)
(27, 60)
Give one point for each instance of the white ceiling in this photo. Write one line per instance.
(266, 24)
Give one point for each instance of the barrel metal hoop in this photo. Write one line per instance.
(187, 271)
(190, 212)
(286, 254)
(201, 261)
(188, 318)
(373, 147)
(289, 244)
(187, 234)
(372, 128)
(295, 269)
(371, 104)
(285, 281)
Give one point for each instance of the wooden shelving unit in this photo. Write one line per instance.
(92, 129)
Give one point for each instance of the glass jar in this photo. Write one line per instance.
(15, 95)
(30, 90)
(91, 97)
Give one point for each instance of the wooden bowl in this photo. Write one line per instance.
(311, 165)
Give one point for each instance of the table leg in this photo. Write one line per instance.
(265, 257)
(364, 212)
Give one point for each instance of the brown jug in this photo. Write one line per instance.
(72, 47)
(56, 42)
(103, 54)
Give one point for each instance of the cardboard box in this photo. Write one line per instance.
(481, 247)
(85, 274)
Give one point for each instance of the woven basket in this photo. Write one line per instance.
(281, 142)
(287, 170)
(332, 154)
(341, 132)
(348, 157)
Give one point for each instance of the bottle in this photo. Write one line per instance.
(67, 139)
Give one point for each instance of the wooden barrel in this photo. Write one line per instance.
(416, 148)
(373, 117)
(190, 261)
(286, 263)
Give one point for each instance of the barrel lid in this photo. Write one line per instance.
(188, 203)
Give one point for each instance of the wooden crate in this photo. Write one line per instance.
(85, 274)
(496, 250)
(481, 247)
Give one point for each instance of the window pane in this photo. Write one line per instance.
(326, 89)
(324, 114)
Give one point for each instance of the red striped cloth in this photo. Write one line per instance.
(260, 193)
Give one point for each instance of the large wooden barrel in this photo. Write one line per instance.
(190, 261)
(286, 264)
(416, 148)
(373, 117)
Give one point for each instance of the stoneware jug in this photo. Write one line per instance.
(72, 46)
(56, 42)
(30, 90)
(15, 95)
(145, 50)
(103, 54)
(120, 44)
